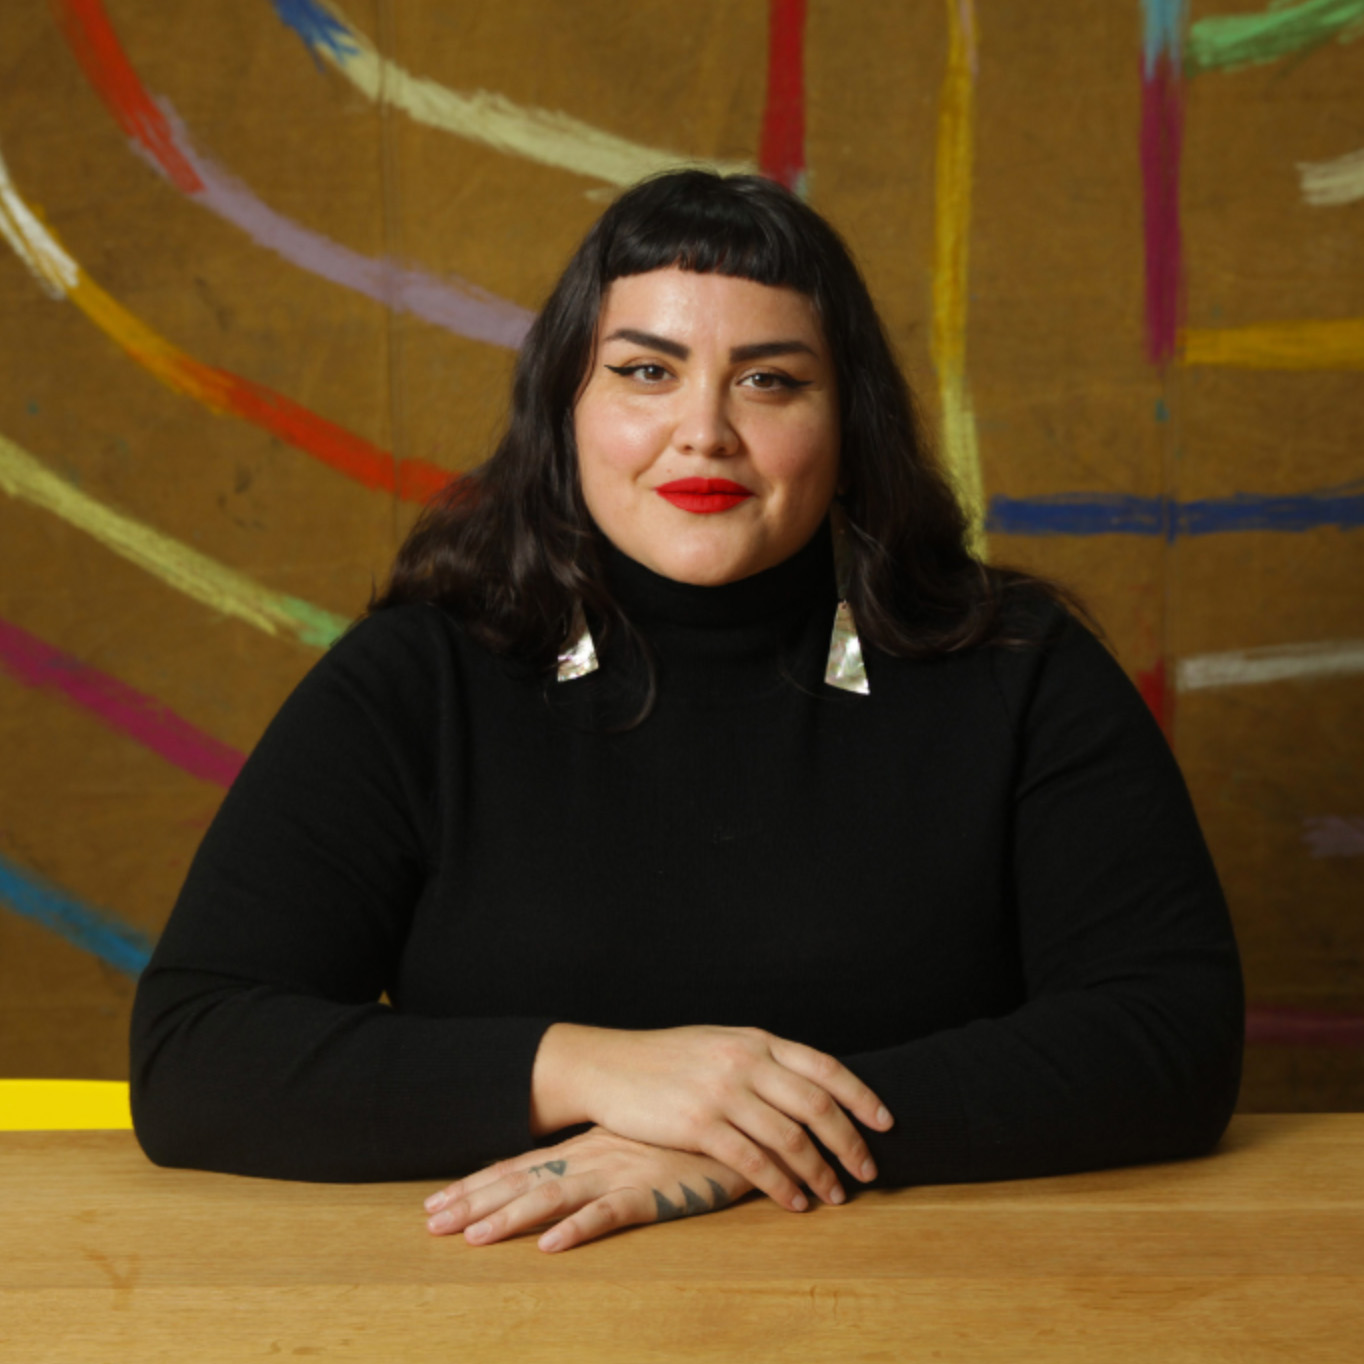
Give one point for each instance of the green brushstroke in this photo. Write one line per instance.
(1232, 40)
(319, 628)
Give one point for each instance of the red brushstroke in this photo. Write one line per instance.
(96, 46)
(414, 480)
(782, 157)
(143, 718)
(1153, 683)
(1278, 1025)
(1162, 140)
(93, 40)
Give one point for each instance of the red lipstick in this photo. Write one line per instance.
(703, 495)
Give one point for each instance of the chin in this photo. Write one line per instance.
(701, 567)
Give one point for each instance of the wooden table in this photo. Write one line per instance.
(1256, 1253)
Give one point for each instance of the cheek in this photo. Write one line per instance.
(612, 444)
(805, 462)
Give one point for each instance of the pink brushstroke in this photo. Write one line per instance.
(1281, 1025)
(143, 718)
(1162, 139)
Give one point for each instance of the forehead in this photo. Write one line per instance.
(685, 306)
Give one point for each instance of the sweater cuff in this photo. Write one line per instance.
(455, 1095)
(930, 1141)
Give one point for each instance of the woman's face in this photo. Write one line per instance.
(707, 429)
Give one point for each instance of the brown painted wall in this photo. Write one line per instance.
(1065, 396)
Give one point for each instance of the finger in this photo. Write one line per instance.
(786, 1140)
(829, 1073)
(814, 1109)
(541, 1203)
(482, 1179)
(620, 1208)
(730, 1146)
(475, 1204)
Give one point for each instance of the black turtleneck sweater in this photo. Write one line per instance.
(983, 886)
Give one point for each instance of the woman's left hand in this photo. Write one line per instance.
(588, 1185)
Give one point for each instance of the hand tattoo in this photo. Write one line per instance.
(555, 1167)
(694, 1203)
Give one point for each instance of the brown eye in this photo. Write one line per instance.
(651, 374)
(768, 381)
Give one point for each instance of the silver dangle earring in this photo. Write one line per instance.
(845, 668)
(578, 657)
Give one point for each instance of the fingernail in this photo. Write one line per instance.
(442, 1221)
(883, 1116)
(836, 1194)
(800, 1202)
(551, 1240)
(478, 1231)
(437, 1200)
(869, 1170)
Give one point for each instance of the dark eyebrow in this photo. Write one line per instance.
(767, 350)
(673, 348)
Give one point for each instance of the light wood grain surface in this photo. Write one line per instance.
(1255, 1253)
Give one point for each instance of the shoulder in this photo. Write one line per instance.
(394, 671)
(1062, 687)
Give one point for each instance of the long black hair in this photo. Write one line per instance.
(510, 547)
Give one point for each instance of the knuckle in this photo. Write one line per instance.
(606, 1214)
(792, 1139)
(825, 1066)
(819, 1103)
(751, 1162)
(550, 1195)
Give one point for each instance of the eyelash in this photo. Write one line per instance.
(783, 381)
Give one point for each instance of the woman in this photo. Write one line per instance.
(688, 750)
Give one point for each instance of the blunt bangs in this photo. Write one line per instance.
(742, 226)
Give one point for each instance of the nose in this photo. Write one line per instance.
(703, 422)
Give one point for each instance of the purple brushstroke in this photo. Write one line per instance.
(458, 307)
(1332, 836)
(143, 718)
(1162, 140)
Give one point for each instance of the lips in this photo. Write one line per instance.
(704, 495)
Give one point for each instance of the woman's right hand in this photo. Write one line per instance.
(742, 1096)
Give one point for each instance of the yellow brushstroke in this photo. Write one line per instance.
(543, 135)
(955, 158)
(64, 1105)
(1312, 344)
(62, 277)
(176, 564)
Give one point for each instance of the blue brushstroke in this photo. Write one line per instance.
(323, 32)
(1164, 31)
(1121, 514)
(93, 930)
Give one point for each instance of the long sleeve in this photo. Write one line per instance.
(1128, 1046)
(260, 1044)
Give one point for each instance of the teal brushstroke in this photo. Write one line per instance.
(1231, 40)
(97, 931)
(1164, 31)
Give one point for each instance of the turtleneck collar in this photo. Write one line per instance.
(793, 586)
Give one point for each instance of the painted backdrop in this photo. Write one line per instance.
(265, 264)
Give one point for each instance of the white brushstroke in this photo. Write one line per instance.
(1278, 663)
(54, 270)
(1325, 183)
(544, 135)
(1332, 836)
